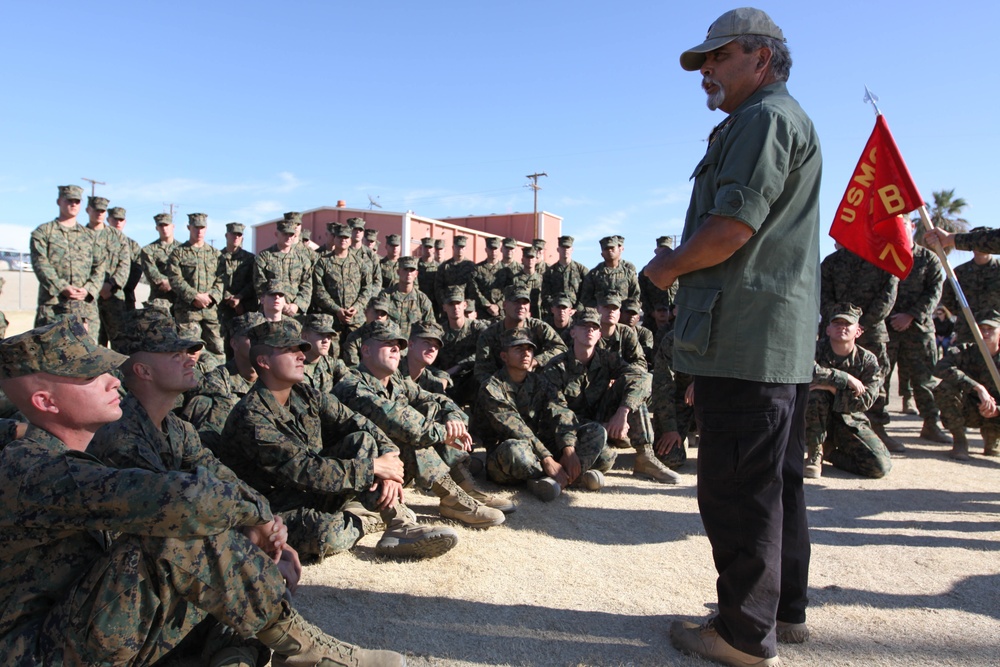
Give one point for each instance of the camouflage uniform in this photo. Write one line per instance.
(408, 309)
(134, 272)
(982, 239)
(452, 273)
(459, 350)
(294, 267)
(547, 345)
(981, 285)
(594, 391)
(341, 282)
(960, 370)
(666, 400)
(390, 272)
(562, 280)
(412, 417)
(603, 279)
(427, 277)
(533, 283)
(914, 349)
(523, 424)
(836, 426)
(488, 283)
(236, 272)
(117, 264)
(324, 373)
(650, 295)
(194, 270)
(430, 379)
(624, 341)
(846, 278)
(309, 457)
(62, 256)
(154, 258)
(217, 394)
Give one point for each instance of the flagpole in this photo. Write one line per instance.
(969, 317)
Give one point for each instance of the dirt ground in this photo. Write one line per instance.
(905, 571)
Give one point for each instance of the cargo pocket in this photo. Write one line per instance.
(693, 327)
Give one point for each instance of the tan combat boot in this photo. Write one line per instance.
(814, 462)
(647, 465)
(298, 643)
(890, 442)
(459, 505)
(463, 477)
(933, 433)
(960, 449)
(908, 407)
(404, 537)
(990, 443)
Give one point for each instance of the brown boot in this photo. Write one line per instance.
(647, 465)
(908, 407)
(814, 463)
(890, 442)
(463, 477)
(933, 433)
(960, 448)
(404, 537)
(989, 444)
(298, 643)
(459, 505)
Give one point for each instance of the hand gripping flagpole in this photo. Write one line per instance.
(925, 218)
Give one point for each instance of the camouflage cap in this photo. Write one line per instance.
(538, 244)
(439, 244)
(116, 213)
(509, 242)
(393, 239)
(516, 293)
(427, 242)
(320, 323)
(587, 316)
(609, 241)
(470, 305)
(293, 216)
(380, 302)
(371, 234)
(63, 348)
(163, 219)
(610, 298)
(562, 300)
(283, 333)
(306, 234)
(454, 294)
(235, 228)
(277, 286)
(518, 336)
(98, 203)
(71, 191)
(990, 318)
(631, 305)
(845, 311)
(197, 219)
(341, 231)
(356, 223)
(288, 226)
(461, 241)
(74, 307)
(529, 252)
(431, 330)
(493, 242)
(665, 242)
(242, 324)
(566, 241)
(152, 330)
(385, 332)
(408, 262)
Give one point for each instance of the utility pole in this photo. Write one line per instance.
(171, 206)
(93, 185)
(535, 187)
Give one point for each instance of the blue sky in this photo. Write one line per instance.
(243, 110)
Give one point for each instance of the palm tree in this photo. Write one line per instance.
(945, 214)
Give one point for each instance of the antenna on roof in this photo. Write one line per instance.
(373, 203)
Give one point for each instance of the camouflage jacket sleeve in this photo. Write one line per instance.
(432, 403)
(587, 297)
(632, 351)
(340, 419)
(118, 259)
(390, 412)
(178, 283)
(149, 267)
(862, 365)
(322, 301)
(62, 488)
(304, 293)
(264, 445)
(48, 278)
(260, 275)
(987, 240)
(883, 298)
(920, 292)
(487, 353)
(963, 366)
(663, 393)
(548, 342)
(98, 266)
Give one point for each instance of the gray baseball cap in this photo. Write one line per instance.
(730, 26)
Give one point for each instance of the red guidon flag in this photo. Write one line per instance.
(870, 220)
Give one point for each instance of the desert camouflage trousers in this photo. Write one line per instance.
(914, 353)
(960, 409)
(846, 438)
(514, 460)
